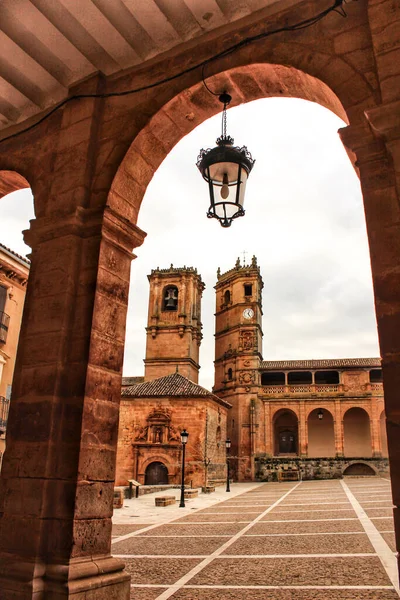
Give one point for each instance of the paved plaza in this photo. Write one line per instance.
(314, 540)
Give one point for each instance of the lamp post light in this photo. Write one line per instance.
(228, 447)
(226, 169)
(184, 439)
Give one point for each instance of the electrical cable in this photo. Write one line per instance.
(337, 7)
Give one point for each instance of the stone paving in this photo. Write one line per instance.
(314, 540)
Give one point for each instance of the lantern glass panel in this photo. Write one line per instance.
(219, 169)
(242, 190)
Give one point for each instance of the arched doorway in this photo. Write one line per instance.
(156, 474)
(321, 434)
(382, 430)
(357, 433)
(285, 433)
(359, 470)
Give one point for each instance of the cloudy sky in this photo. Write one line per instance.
(304, 221)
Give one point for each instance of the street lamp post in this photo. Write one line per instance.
(227, 446)
(184, 439)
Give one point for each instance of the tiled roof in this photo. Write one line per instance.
(320, 363)
(170, 385)
(131, 380)
(20, 258)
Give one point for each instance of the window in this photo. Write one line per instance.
(326, 377)
(3, 297)
(273, 378)
(230, 374)
(375, 376)
(170, 298)
(299, 377)
(227, 297)
(248, 289)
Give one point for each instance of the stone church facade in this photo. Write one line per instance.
(309, 418)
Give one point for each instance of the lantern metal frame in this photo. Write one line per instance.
(225, 152)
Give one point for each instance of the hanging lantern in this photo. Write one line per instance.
(320, 414)
(226, 169)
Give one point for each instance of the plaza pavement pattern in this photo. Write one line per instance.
(314, 540)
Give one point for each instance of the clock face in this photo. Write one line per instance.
(248, 313)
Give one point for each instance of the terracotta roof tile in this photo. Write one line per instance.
(330, 363)
(170, 385)
(23, 259)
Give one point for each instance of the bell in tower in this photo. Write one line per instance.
(171, 298)
(174, 323)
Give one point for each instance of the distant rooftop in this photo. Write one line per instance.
(131, 380)
(14, 255)
(328, 363)
(170, 385)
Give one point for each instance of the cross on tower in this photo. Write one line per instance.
(244, 257)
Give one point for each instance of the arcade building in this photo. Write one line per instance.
(312, 418)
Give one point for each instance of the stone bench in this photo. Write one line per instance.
(165, 500)
(191, 494)
(288, 476)
(208, 489)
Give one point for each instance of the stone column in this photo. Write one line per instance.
(339, 437)
(59, 466)
(57, 479)
(378, 158)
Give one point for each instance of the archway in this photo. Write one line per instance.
(286, 436)
(359, 469)
(16, 210)
(383, 434)
(156, 474)
(357, 433)
(321, 435)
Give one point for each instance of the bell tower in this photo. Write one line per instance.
(174, 323)
(238, 353)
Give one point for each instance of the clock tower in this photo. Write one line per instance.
(238, 353)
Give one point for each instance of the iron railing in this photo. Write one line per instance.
(4, 408)
(4, 323)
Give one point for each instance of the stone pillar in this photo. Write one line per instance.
(57, 479)
(269, 450)
(59, 466)
(303, 438)
(375, 432)
(377, 149)
(338, 424)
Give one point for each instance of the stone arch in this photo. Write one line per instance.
(191, 107)
(383, 434)
(357, 432)
(11, 181)
(360, 468)
(156, 473)
(286, 432)
(321, 434)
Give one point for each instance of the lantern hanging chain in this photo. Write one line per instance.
(337, 7)
(224, 121)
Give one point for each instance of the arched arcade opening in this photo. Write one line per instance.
(286, 433)
(357, 433)
(321, 434)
